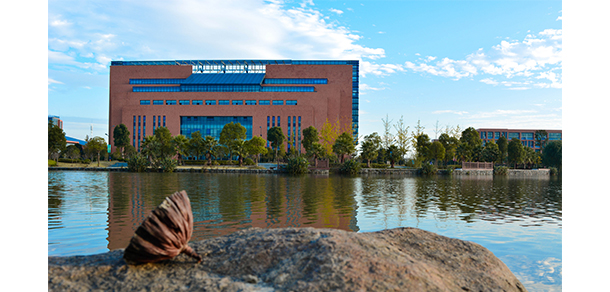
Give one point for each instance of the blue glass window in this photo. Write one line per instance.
(513, 135)
(291, 102)
(278, 102)
(223, 102)
(157, 102)
(185, 102)
(237, 102)
(197, 102)
(250, 102)
(144, 102)
(170, 102)
(497, 135)
(156, 81)
(212, 125)
(554, 136)
(527, 136)
(156, 89)
(287, 89)
(263, 102)
(210, 102)
(295, 81)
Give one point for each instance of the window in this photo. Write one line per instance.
(513, 135)
(223, 102)
(237, 102)
(278, 102)
(197, 102)
(554, 136)
(156, 81)
(250, 102)
(144, 102)
(170, 102)
(210, 102)
(527, 136)
(263, 102)
(185, 102)
(295, 81)
(490, 135)
(157, 102)
(212, 125)
(497, 135)
(156, 89)
(287, 89)
(291, 102)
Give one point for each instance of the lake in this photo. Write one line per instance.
(518, 219)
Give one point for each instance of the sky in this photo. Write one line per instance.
(444, 64)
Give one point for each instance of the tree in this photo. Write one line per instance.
(328, 134)
(196, 145)
(180, 143)
(552, 154)
(370, 147)
(310, 136)
(276, 138)
(516, 152)
(232, 136)
(316, 151)
(503, 147)
(256, 146)
(344, 144)
(96, 145)
(473, 144)
(57, 141)
(450, 144)
(165, 146)
(210, 148)
(422, 142)
(491, 152)
(541, 138)
(436, 151)
(151, 149)
(72, 152)
(394, 154)
(120, 135)
(403, 140)
(387, 139)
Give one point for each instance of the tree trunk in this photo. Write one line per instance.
(368, 163)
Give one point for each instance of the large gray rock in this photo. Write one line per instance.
(299, 259)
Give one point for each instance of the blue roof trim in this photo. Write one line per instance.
(226, 78)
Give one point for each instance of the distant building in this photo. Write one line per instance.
(56, 121)
(203, 95)
(527, 137)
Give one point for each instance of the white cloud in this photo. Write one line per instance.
(534, 56)
(336, 11)
(54, 81)
(450, 112)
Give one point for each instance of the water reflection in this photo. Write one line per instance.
(519, 220)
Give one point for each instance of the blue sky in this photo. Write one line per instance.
(445, 63)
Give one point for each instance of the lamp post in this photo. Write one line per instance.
(108, 138)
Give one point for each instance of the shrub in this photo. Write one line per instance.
(500, 170)
(350, 167)
(297, 165)
(249, 161)
(427, 169)
(168, 164)
(554, 170)
(52, 162)
(137, 163)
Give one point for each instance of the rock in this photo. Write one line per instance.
(299, 259)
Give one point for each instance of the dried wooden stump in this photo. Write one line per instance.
(165, 233)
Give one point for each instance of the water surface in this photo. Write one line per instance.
(519, 220)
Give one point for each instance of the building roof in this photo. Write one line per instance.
(73, 140)
(226, 78)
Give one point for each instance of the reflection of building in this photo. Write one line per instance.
(527, 137)
(56, 121)
(204, 95)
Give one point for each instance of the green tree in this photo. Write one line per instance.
(276, 138)
(316, 151)
(164, 138)
(541, 138)
(402, 138)
(96, 145)
(450, 144)
(232, 136)
(344, 144)
(310, 136)
(491, 152)
(180, 143)
(516, 152)
(120, 135)
(370, 147)
(394, 154)
(388, 138)
(552, 154)
(473, 142)
(463, 153)
(196, 145)
(57, 141)
(210, 148)
(422, 142)
(503, 147)
(436, 151)
(151, 149)
(256, 147)
(72, 152)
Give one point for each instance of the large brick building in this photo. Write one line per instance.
(204, 95)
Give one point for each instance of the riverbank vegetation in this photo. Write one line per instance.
(334, 144)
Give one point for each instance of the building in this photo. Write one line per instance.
(56, 121)
(203, 95)
(527, 137)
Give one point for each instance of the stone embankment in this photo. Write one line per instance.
(299, 259)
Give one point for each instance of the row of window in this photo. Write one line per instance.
(220, 102)
(294, 130)
(223, 88)
(520, 136)
(157, 81)
(140, 128)
(295, 81)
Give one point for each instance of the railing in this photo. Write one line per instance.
(321, 164)
(477, 165)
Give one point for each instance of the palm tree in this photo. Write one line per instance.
(210, 148)
(181, 143)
